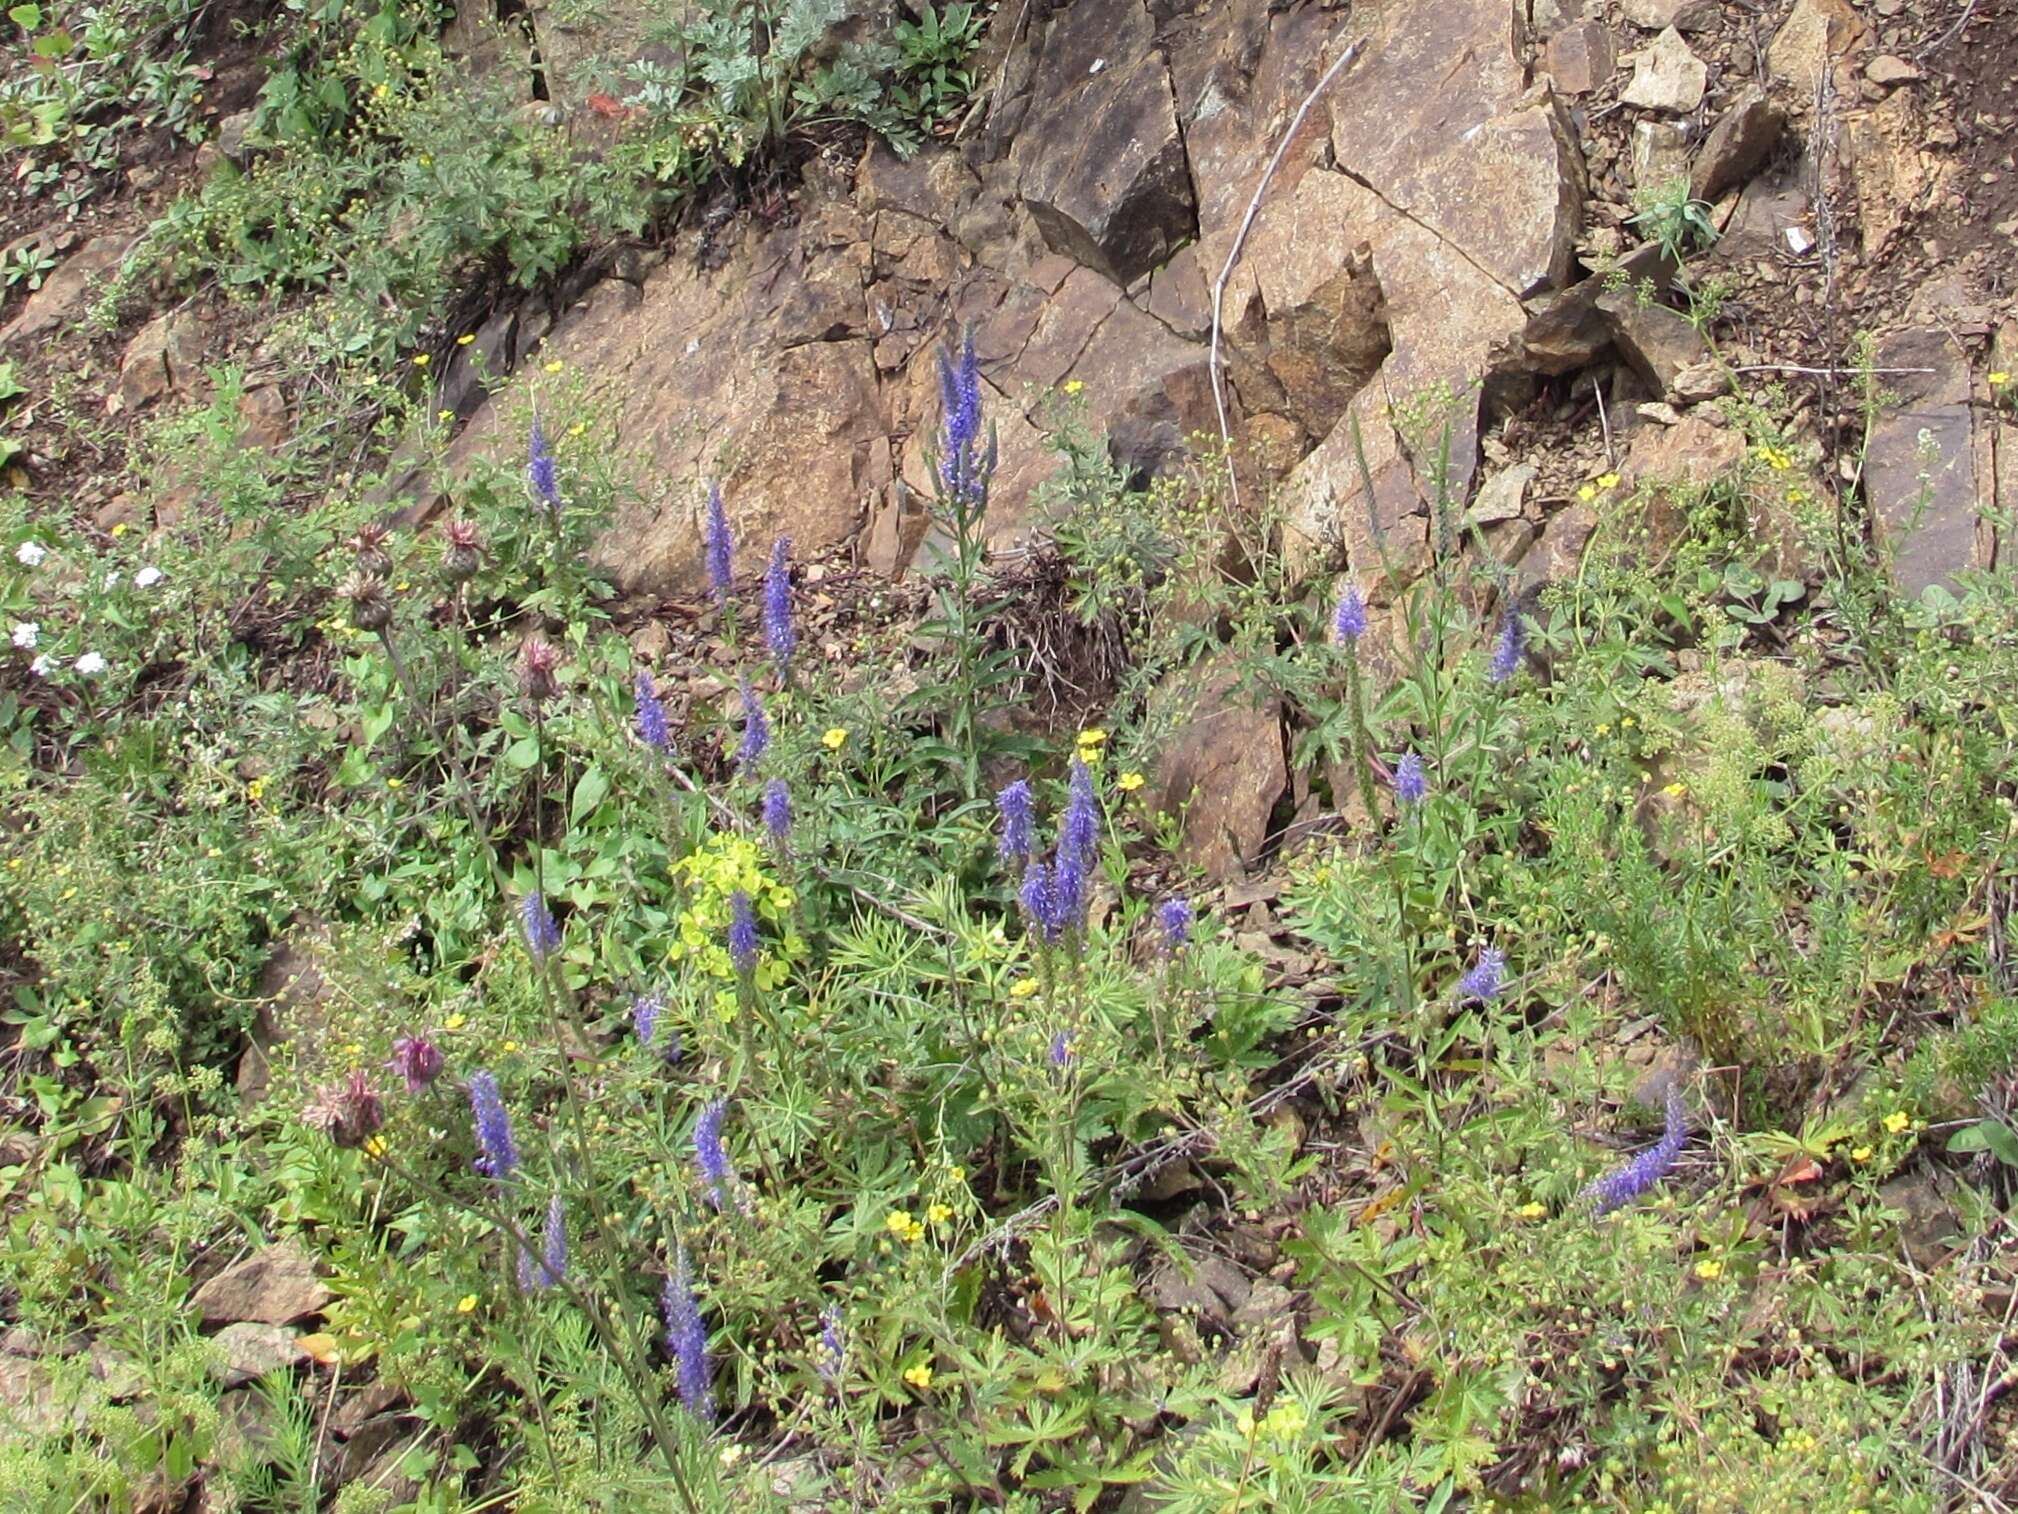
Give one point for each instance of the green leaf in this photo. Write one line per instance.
(524, 752)
(589, 791)
(27, 17)
(1993, 1136)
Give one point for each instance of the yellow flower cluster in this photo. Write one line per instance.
(1285, 1422)
(904, 1225)
(713, 874)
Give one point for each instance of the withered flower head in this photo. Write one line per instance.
(539, 660)
(370, 546)
(349, 1113)
(370, 601)
(462, 550)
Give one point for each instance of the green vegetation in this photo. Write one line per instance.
(863, 1153)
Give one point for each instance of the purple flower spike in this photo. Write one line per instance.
(721, 575)
(778, 633)
(552, 1264)
(742, 934)
(1063, 1054)
(417, 1060)
(1070, 892)
(499, 1157)
(1014, 805)
(652, 729)
(778, 812)
(832, 1353)
(1079, 830)
(1486, 978)
(1410, 786)
(1040, 901)
(710, 1155)
(1173, 922)
(1349, 624)
(543, 937)
(687, 1341)
(1624, 1184)
(1506, 652)
(963, 469)
(541, 472)
(756, 732)
(645, 1012)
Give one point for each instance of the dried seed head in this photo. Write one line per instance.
(369, 544)
(370, 601)
(462, 550)
(539, 660)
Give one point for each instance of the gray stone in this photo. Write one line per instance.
(1581, 58)
(1667, 76)
(1658, 343)
(1743, 138)
(1886, 71)
(1660, 154)
(1103, 167)
(1921, 472)
(276, 1285)
(1503, 496)
(68, 292)
(253, 1350)
(1693, 454)
(1816, 35)
(1221, 769)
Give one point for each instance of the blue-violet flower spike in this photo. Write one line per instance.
(652, 730)
(709, 1153)
(778, 633)
(832, 1353)
(1013, 803)
(1079, 830)
(721, 575)
(1173, 922)
(778, 811)
(742, 934)
(1410, 786)
(543, 937)
(1486, 978)
(1624, 1184)
(756, 732)
(1349, 624)
(499, 1156)
(687, 1341)
(1506, 652)
(541, 472)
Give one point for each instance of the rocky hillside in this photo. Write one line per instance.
(1116, 755)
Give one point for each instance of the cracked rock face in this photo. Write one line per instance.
(1079, 233)
(1102, 161)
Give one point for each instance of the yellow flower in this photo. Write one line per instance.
(14, 864)
(1093, 737)
(1796, 497)
(1128, 783)
(1999, 380)
(578, 428)
(465, 339)
(938, 1214)
(1074, 386)
(509, 1047)
(957, 1174)
(375, 1147)
(555, 366)
(1604, 728)
(898, 1221)
(919, 1377)
(1675, 790)
(1531, 1210)
(119, 529)
(835, 738)
(444, 415)
(1023, 988)
(1588, 493)
(1861, 1154)
(454, 1022)
(1897, 1121)
(1608, 480)
(420, 360)
(1709, 1272)
(465, 1304)
(395, 783)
